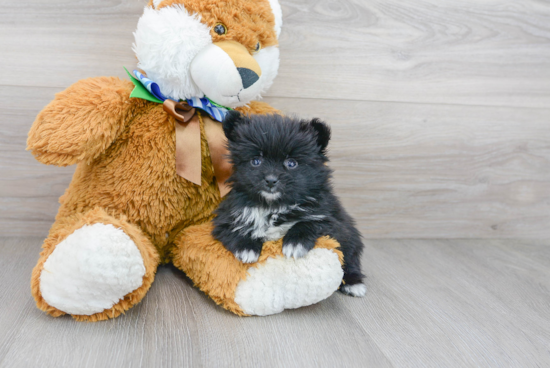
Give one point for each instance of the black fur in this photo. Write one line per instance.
(306, 204)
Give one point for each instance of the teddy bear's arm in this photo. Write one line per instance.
(81, 122)
(257, 107)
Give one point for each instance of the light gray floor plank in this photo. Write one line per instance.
(430, 303)
(159, 332)
(175, 325)
(459, 302)
(17, 258)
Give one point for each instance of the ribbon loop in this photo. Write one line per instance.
(179, 110)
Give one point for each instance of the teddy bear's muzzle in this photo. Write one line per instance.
(227, 73)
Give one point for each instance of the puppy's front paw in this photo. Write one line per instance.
(296, 246)
(247, 256)
(294, 250)
(244, 249)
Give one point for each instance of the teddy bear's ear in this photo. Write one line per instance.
(322, 131)
(231, 120)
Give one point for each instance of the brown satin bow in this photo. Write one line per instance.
(188, 144)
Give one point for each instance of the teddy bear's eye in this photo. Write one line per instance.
(220, 29)
(291, 163)
(258, 47)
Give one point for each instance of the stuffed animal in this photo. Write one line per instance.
(151, 168)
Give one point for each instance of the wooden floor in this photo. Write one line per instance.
(431, 303)
(441, 118)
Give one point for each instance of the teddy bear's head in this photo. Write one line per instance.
(224, 50)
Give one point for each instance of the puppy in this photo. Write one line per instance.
(281, 189)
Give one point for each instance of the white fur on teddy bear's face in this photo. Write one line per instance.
(278, 13)
(268, 59)
(175, 50)
(215, 73)
(166, 42)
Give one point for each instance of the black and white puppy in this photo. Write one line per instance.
(281, 189)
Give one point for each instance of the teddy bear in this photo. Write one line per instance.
(151, 168)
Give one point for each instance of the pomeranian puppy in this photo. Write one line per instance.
(281, 189)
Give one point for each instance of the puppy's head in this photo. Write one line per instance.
(277, 160)
(224, 50)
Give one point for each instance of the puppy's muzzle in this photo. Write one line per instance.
(271, 181)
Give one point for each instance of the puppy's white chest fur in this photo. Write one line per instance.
(260, 223)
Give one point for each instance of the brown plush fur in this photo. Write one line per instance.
(135, 174)
(248, 21)
(82, 121)
(126, 174)
(126, 153)
(66, 226)
(215, 270)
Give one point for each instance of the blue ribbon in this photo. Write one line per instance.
(217, 113)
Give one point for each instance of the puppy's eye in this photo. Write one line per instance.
(291, 163)
(256, 161)
(220, 29)
(258, 47)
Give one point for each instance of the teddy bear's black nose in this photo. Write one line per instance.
(249, 77)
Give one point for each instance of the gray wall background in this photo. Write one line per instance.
(440, 110)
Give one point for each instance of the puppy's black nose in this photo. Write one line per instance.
(249, 77)
(271, 180)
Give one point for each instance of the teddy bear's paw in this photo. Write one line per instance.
(91, 270)
(287, 283)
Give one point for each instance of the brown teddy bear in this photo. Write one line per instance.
(152, 168)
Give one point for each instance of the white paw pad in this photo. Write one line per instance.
(91, 270)
(247, 256)
(282, 283)
(357, 290)
(294, 251)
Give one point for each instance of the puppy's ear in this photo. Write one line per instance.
(323, 133)
(231, 120)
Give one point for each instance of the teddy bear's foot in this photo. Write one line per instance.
(270, 285)
(285, 283)
(97, 271)
(91, 270)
